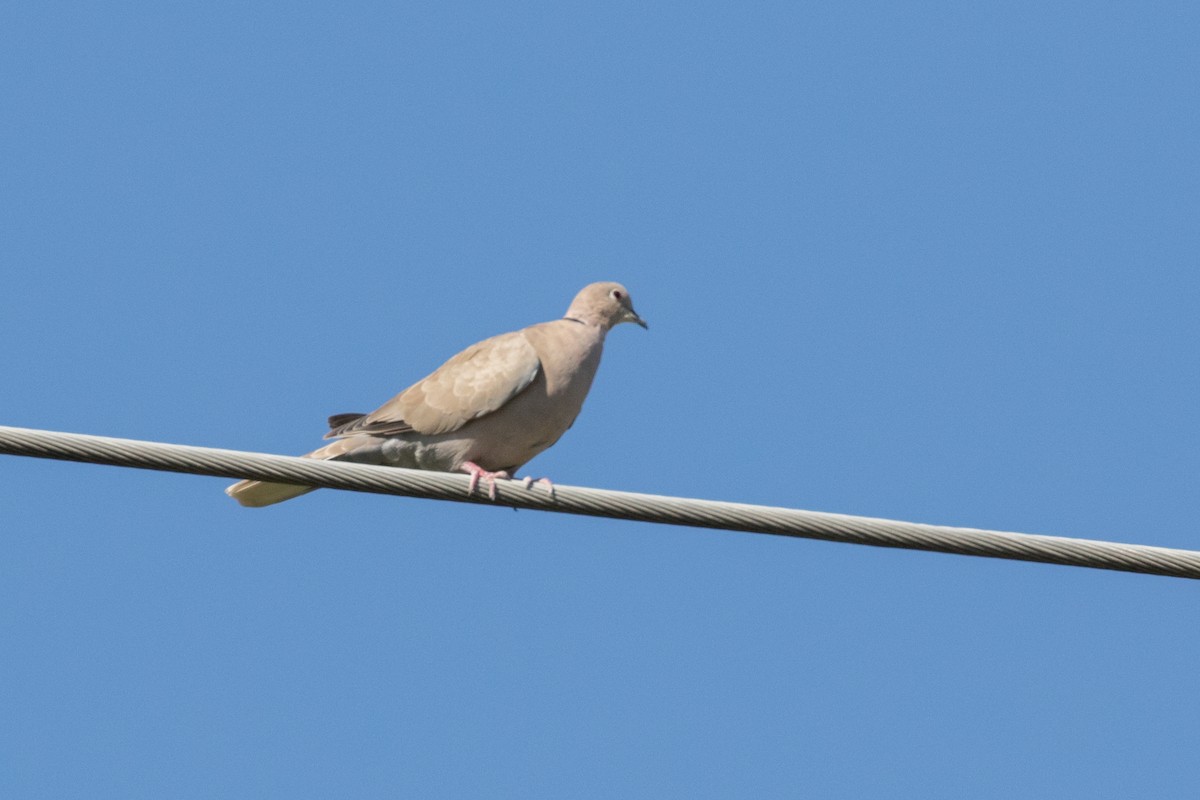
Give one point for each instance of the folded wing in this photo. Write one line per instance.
(477, 381)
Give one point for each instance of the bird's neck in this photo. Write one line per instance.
(585, 317)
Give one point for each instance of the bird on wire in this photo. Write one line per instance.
(487, 411)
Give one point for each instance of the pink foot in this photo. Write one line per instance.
(476, 472)
(530, 481)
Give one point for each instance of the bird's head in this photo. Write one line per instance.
(605, 304)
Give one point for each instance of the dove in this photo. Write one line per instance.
(485, 412)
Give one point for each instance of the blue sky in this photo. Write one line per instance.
(934, 262)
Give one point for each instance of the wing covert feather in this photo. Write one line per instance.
(477, 381)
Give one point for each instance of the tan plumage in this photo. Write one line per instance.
(486, 411)
(477, 381)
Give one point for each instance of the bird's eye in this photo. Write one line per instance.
(616, 293)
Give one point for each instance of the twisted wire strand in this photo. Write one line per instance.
(603, 503)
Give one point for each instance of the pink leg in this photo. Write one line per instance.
(476, 472)
(530, 481)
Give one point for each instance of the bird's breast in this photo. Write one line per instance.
(543, 411)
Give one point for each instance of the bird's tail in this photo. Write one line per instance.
(256, 494)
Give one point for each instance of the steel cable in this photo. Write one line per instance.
(603, 503)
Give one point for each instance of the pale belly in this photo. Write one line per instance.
(503, 440)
